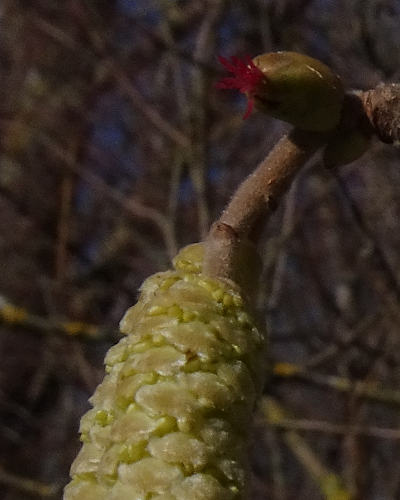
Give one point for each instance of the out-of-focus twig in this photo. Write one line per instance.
(146, 109)
(369, 390)
(288, 223)
(204, 50)
(63, 230)
(363, 226)
(329, 483)
(279, 479)
(330, 428)
(27, 485)
(15, 316)
(129, 205)
(124, 82)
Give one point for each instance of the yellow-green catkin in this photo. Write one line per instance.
(171, 419)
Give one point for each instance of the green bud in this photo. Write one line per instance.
(289, 86)
(345, 147)
(300, 90)
(352, 136)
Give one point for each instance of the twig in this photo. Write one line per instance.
(328, 482)
(125, 84)
(340, 429)
(368, 390)
(377, 111)
(278, 489)
(257, 197)
(63, 229)
(367, 233)
(15, 316)
(130, 206)
(149, 112)
(288, 223)
(204, 50)
(27, 485)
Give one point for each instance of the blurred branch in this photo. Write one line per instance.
(204, 50)
(124, 82)
(363, 226)
(330, 428)
(147, 110)
(275, 453)
(368, 390)
(287, 229)
(27, 485)
(131, 206)
(330, 484)
(14, 316)
(168, 45)
(63, 229)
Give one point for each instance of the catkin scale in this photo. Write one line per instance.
(170, 420)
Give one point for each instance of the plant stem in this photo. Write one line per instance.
(257, 197)
(377, 111)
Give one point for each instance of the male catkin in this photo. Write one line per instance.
(170, 420)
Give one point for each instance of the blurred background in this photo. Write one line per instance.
(116, 150)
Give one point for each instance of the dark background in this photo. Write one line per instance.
(116, 150)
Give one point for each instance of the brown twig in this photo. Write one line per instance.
(148, 111)
(370, 390)
(330, 484)
(130, 205)
(260, 192)
(18, 317)
(204, 50)
(376, 111)
(338, 429)
(63, 229)
(27, 485)
(257, 197)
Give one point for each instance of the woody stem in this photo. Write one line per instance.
(256, 198)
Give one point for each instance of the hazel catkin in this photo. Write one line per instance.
(170, 420)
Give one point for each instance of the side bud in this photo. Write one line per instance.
(346, 147)
(351, 138)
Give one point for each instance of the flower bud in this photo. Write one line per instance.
(289, 86)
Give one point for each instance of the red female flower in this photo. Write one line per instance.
(247, 78)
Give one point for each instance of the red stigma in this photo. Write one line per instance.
(246, 78)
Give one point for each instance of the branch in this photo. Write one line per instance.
(27, 485)
(333, 428)
(15, 316)
(374, 112)
(330, 484)
(372, 391)
(257, 197)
